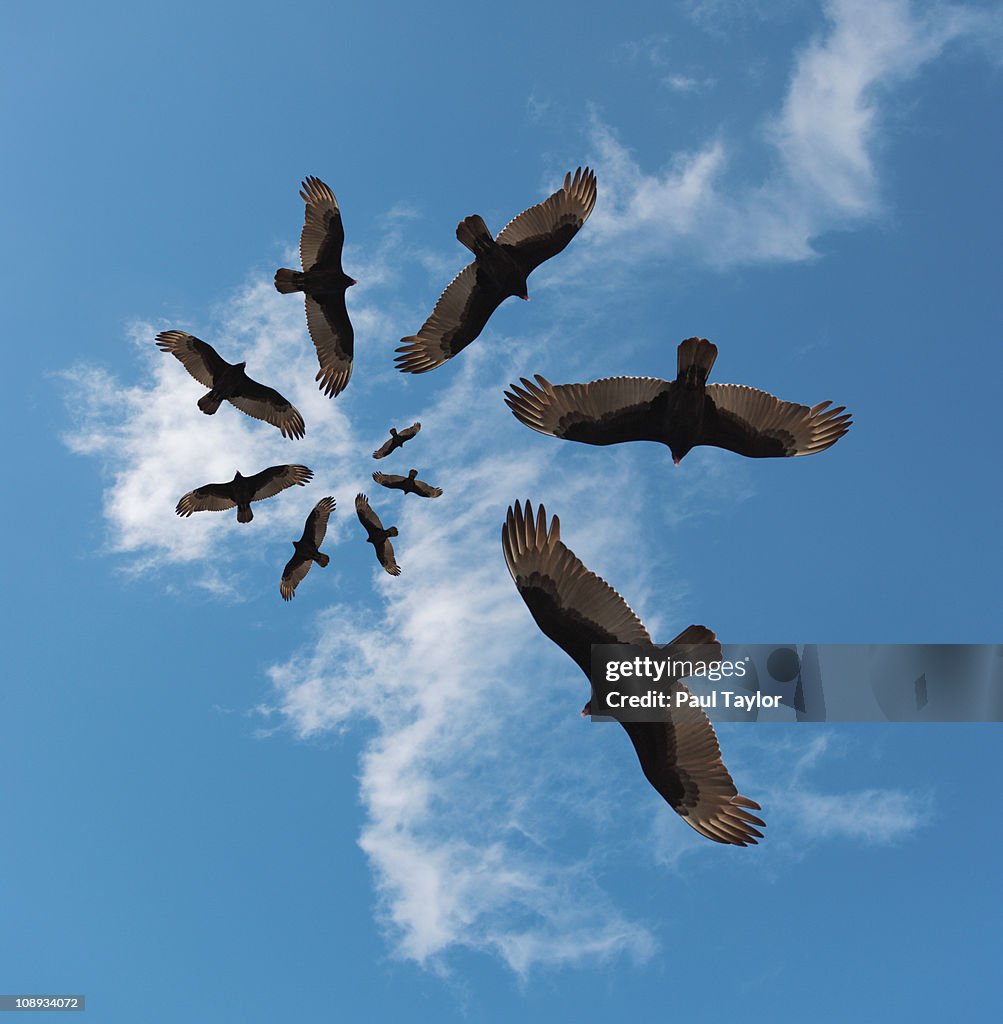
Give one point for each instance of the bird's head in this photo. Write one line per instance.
(393, 431)
(351, 281)
(241, 366)
(587, 710)
(237, 476)
(679, 453)
(412, 474)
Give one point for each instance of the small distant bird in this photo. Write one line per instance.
(377, 536)
(229, 383)
(307, 548)
(575, 608)
(408, 484)
(325, 284)
(682, 413)
(499, 270)
(397, 439)
(242, 490)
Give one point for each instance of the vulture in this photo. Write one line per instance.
(377, 536)
(575, 608)
(307, 549)
(681, 413)
(397, 438)
(228, 382)
(242, 490)
(499, 270)
(408, 484)
(325, 284)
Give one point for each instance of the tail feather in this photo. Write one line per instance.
(288, 281)
(322, 560)
(695, 358)
(244, 514)
(473, 233)
(210, 402)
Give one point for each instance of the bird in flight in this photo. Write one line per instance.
(575, 608)
(307, 548)
(408, 484)
(397, 439)
(242, 490)
(377, 536)
(681, 413)
(228, 383)
(325, 283)
(500, 268)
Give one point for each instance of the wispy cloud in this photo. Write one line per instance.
(823, 143)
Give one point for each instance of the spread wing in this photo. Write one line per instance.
(759, 425)
(323, 234)
(198, 357)
(575, 608)
(271, 481)
(544, 230)
(606, 411)
(210, 498)
(292, 575)
(426, 490)
(385, 553)
(391, 480)
(408, 432)
(334, 339)
(264, 403)
(385, 449)
(458, 318)
(315, 529)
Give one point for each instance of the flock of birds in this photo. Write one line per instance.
(573, 606)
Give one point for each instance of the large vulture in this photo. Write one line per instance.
(397, 439)
(575, 608)
(408, 484)
(325, 284)
(307, 549)
(377, 536)
(499, 270)
(681, 413)
(228, 382)
(242, 490)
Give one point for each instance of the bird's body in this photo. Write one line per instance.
(307, 548)
(397, 440)
(377, 535)
(682, 413)
(227, 382)
(242, 490)
(324, 282)
(409, 484)
(500, 270)
(680, 756)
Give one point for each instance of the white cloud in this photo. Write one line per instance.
(823, 143)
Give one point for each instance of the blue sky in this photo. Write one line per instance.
(379, 801)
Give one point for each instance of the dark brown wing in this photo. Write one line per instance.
(198, 357)
(385, 553)
(391, 480)
(458, 318)
(323, 234)
(334, 339)
(759, 425)
(408, 432)
(315, 529)
(385, 449)
(575, 608)
(607, 411)
(369, 519)
(426, 490)
(271, 481)
(544, 230)
(292, 575)
(264, 403)
(210, 498)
